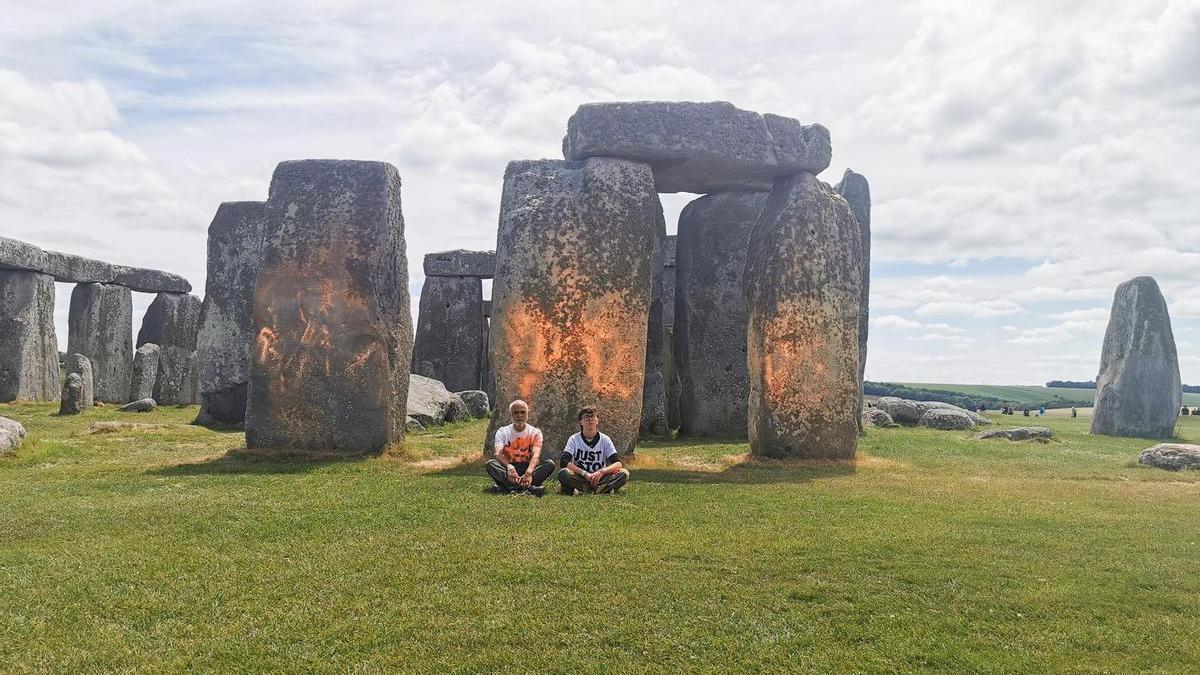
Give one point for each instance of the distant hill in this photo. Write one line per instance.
(1027, 394)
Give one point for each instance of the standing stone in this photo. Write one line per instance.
(698, 147)
(235, 240)
(572, 294)
(333, 332)
(145, 372)
(654, 390)
(803, 281)
(172, 322)
(711, 311)
(488, 377)
(1138, 390)
(82, 366)
(857, 193)
(28, 346)
(71, 401)
(100, 327)
(450, 331)
(670, 368)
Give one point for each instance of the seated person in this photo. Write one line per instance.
(589, 461)
(517, 465)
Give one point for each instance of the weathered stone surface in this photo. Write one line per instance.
(654, 391)
(857, 193)
(82, 366)
(412, 424)
(901, 410)
(1171, 456)
(69, 268)
(171, 319)
(71, 401)
(1016, 433)
(76, 269)
(487, 308)
(478, 404)
(668, 283)
(1138, 390)
(907, 412)
(698, 147)
(333, 332)
(141, 405)
(17, 255)
(670, 368)
(654, 407)
(151, 281)
(8, 443)
(145, 371)
(946, 420)
(572, 294)
(13, 427)
(28, 345)
(235, 241)
(877, 417)
(449, 342)
(172, 322)
(432, 404)
(711, 312)
(461, 263)
(802, 278)
(100, 327)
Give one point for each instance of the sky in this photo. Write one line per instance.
(1024, 157)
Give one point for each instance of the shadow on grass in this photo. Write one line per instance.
(242, 460)
(660, 470)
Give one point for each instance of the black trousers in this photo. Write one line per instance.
(499, 473)
(569, 482)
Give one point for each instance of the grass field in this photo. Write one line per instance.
(164, 548)
(1028, 394)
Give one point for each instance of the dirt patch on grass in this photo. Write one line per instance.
(114, 427)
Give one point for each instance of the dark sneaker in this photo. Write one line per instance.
(537, 490)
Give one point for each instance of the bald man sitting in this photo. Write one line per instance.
(518, 465)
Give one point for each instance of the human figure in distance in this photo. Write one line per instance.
(518, 465)
(589, 460)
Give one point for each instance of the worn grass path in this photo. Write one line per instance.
(157, 548)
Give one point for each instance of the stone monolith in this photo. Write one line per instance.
(28, 345)
(145, 372)
(172, 322)
(572, 294)
(1138, 390)
(710, 312)
(857, 193)
(100, 327)
(449, 340)
(654, 390)
(235, 240)
(333, 333)
(82, 366)
(698, 147)
(803, 280)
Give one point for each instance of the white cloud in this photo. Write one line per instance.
(895, 321)
(981, 308)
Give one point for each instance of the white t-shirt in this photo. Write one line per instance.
(518, 445)
(590, 458)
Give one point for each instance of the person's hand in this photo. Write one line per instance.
(512, 474)
(527, 479)
(594, 478)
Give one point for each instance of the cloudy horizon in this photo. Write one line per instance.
(1024, 158)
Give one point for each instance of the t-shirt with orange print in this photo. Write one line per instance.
(518, 446)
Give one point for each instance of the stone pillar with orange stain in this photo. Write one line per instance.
(572, 294)
(332, 329)
(803, 281)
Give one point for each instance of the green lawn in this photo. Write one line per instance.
(1027, 394)
(164, 548)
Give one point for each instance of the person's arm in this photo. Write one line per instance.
(503, 458)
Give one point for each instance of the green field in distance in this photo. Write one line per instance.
(1026, 394)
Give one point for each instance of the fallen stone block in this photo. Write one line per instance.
(142, 405)
(1016, 433)
(1171, 456)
